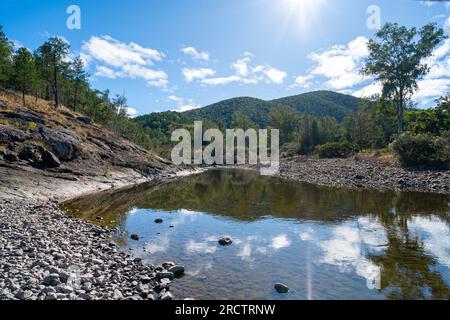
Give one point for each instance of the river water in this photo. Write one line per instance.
(324, 243)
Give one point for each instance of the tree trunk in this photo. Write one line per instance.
(400, 115)
(55, 81)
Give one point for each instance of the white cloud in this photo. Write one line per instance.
(241, 66)
(116, 59)
(131, 112)
(191, 51)
(341, 64)
(221, 80)
(302, 81)
(447, 24)
(183, 104)
(117, 54)
(105, 72)
(272, 74)
(368, 91)
(246, 74)
(200, 73)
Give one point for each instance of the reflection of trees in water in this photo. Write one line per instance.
(408, 272)
(244, 195)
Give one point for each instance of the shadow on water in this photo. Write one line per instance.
(327, 243)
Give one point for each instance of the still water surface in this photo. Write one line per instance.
(324, 243)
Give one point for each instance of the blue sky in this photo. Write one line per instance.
(177, 55)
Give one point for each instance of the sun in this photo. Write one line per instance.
(303, 13)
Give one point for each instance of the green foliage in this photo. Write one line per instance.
(23, 70)
(241, 121)
(336, 149)
(422, 149)
(50, 75)
(6, 50)
(372, 126)
(396, 59)
(434, 121)
(286, 120)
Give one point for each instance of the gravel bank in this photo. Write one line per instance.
(364, 174)
(46, 255)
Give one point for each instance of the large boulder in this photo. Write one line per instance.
(8, 134)
(39, 155)
(64, 143)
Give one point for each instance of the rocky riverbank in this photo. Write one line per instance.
(46, 255)
(364, 173)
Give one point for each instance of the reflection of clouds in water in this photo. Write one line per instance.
(200, 268)
(346, 248)
(307, 235)
(435, 235)
(200, 247)
(262, 250)
(245, 252)
(281, 241)
(161, 244)
(246, 249)
(133, 211)
(184, 216)
(188, 212)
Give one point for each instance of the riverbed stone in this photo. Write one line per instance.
(225, 241)
(134, 237)
(177, 270)
(165, 275)
(46, 255)
(281, 288)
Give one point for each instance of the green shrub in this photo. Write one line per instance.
(422, 150)
(336, 149)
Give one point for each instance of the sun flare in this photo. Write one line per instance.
(304, 13)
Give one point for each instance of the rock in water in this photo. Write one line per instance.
(225, 241)
(165, 275)
(281, 288)
(134, 237)
(178, 270)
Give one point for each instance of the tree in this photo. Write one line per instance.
(53, 60)
(286, 120)
(23, 70)
(241, 121)
(79, 77)
(396, 59)
(6, 50)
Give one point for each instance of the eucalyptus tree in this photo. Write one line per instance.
(397, 60)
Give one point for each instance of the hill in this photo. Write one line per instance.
(318, 103)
